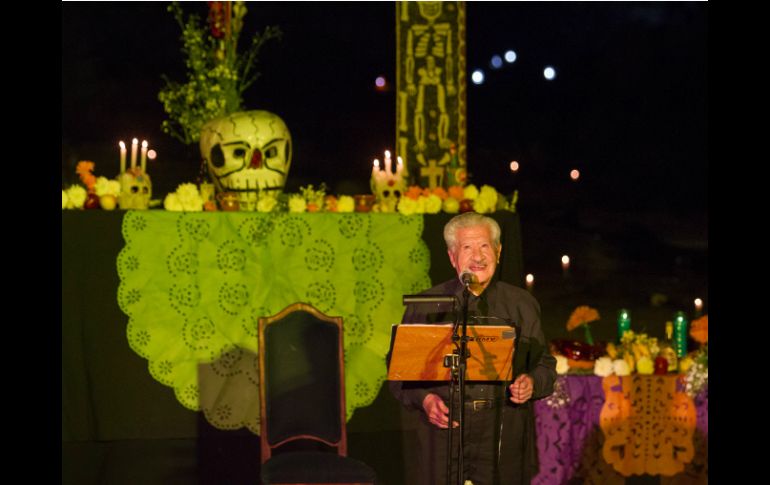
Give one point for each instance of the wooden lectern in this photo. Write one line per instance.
(418, 352)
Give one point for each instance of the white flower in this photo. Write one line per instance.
(433, 204)
(105, 186)
(621, 368)
(77, 197)
(451, 205)
(603, 366)
(470, 192)
(172, 203)
(64, 199)
(346, 203)
(562, 366)
(297, 203)
(266, 204)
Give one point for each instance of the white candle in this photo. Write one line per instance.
(388, 162)
(399, 166)
(698, 307)
(530, 279)
(122, 156)
(376, 168)
(134, 144)
(565, 264)
(144, 156)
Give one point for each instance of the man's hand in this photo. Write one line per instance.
(521, 389)
(437, 412)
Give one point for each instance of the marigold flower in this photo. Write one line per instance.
(699, 330)
(582, 315)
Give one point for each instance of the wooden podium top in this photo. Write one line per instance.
(419, 350)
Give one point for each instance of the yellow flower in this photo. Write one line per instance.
(77, 197)
(172, 203)
(645, 365)
(471, 192)
(407, 206)
(451, 205)
(266, 204)
(685, 363)
(433, 204)
(297, 203)
(489, 194)
(612, 351)
(346, 203)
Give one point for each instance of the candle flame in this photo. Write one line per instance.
(387, 154)
(400, 161)
(376, 163)
(135, 142)
(144, 143)
(122, 145)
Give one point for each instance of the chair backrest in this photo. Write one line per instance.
(302, 379)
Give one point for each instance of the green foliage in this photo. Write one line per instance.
(217, 75)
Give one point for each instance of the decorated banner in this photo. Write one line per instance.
(431, 91)
(195, 284)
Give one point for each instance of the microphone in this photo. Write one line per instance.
(467, 277)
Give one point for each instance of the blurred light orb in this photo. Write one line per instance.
(379, 82)
(514, 166)
(496, 62)
(549, 73)
(510, 56)
(565, 260)
(151, 154)
(478, 76)
(530, 278)
(574, 174)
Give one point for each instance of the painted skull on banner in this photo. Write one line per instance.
(248, 153)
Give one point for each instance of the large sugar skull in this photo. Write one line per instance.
(135, 190)
(247, 153)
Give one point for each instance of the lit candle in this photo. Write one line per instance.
(134, 145)
(388, 162)
(565, 264)
(144, 156)
(680, 334)
(698, 307)
(376, 168)
(122, 156)
(399, 167)
(530, 280)
(624, 323)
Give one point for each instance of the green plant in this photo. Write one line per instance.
(217, 75)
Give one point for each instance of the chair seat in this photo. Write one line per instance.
(315, 467)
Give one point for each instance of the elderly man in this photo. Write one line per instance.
(500, 445)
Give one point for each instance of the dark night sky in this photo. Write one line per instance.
(629, 105)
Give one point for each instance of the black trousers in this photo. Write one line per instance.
(495, 447)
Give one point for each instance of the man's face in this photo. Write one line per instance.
(475, 251)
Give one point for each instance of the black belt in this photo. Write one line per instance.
(479, 404)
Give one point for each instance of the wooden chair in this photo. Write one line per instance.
(302, 400)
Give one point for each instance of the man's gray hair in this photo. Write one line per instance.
(470, 219)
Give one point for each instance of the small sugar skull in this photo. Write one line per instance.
(247, 153)
(388, 192)
(135, 190)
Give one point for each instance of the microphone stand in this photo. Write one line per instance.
(459, 365)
